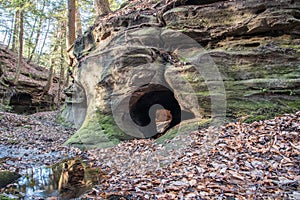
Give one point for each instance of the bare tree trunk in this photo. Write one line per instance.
(20, 53)
(44, 42)
(50, 78)
(15, 30)
(39, 29)
(4, 38)
(62, 34)
(11, 33)
(102, 7)
(78, 23)
(61, 79)
(36, 40)
(31, 36)
(71, 23)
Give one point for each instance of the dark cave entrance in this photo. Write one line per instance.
(154, 106)
(21, 103)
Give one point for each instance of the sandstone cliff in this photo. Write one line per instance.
(29, 94)
(209, 61)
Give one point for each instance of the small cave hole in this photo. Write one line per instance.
(260, 10)
(21, 103)
(125, 24)
(154, 106)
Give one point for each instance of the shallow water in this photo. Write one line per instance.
(65, 180)
(36, 183)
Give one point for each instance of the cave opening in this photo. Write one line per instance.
(155, 107)
(21, 103)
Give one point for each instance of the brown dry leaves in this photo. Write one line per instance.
(247, 161)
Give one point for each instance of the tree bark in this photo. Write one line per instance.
(4, 38)
(78, 23)
(20, 53)
(62, 34)
(71, 23)
(31, 36)
(102, 7)
(15, 31)
(39, 29)
(50, 78)
(11, 33)
(44, 42)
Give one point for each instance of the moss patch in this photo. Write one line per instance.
(261, 109)
(98, 131)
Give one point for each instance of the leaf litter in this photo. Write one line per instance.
(245, 161)
(235, 161)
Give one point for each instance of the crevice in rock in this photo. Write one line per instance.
(197, 2)
(253, 44)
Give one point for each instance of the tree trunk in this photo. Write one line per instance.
(31, 36)
(20, 53)
(39, 29)
(71, 23)
(44, 42)
(36, 40)
(15, 30)
(4, 38)
(62, 69)
(11, 33)
(102, 7)
(50, 77)
(78, 23)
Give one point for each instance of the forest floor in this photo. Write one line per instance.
(236, 161)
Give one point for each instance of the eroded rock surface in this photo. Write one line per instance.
(29, 94)
(197, 59)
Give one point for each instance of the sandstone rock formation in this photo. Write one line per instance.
(28, 95)
(213, 59)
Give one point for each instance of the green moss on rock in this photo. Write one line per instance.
(261, 109)
(98, 131)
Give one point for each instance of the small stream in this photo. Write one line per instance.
(35, 183)
(67, 180)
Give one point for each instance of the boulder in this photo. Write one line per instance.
(197, 60)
